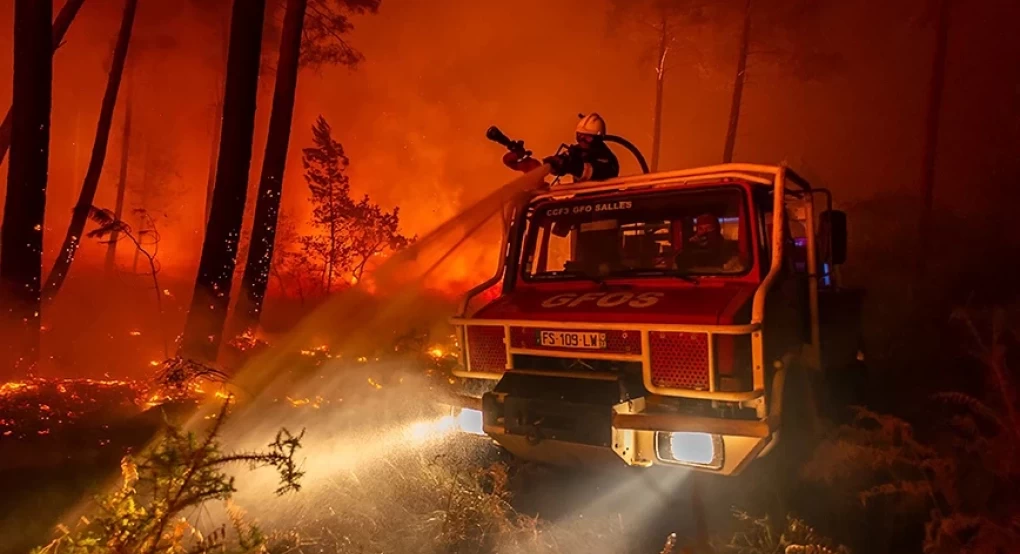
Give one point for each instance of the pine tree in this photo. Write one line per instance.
(203, 330)
(60, 26)
(21, 236)
(267, 206)
(325, 165)
(80, 215)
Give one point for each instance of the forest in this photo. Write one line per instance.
(234, 233)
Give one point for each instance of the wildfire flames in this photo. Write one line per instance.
(37, 407)
(44, 406)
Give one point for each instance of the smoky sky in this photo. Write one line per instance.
(436, 74)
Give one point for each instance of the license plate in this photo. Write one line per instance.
(570, 339)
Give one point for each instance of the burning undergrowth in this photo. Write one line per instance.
(387, 471)
(383, 468)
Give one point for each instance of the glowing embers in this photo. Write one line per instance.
(44, 406)
(690, 449)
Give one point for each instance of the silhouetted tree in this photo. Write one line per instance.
(204, 327)
(326, 24)
(374, 232)
(21, 235)
(60, 26)
(738, 86)
(146, 243)
(267, 205)
(350, 233)
(291, 267)
(152, 190)
(324, 165)
(217, 126)
(932, 119)
(667, 20)
(122, 177)
(323, 44)
(80, 215)
(784, 32)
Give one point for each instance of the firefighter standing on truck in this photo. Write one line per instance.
(588, 160)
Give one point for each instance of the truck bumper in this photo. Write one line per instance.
(602, 427)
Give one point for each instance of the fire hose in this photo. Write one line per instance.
(517, 148)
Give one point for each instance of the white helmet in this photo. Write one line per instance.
(592, 124)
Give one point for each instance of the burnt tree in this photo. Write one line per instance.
(86, 197)
(122, 178)
(60, 26)
(660, 82)
(932, 119)
(670, 23)
(203, 330)
(267, 205)
(21, 234)
(738, 86)
(214, 146)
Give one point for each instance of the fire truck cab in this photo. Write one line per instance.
(613, 330)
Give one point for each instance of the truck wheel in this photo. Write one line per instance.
(800, 424)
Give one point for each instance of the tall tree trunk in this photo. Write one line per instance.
(204, 328)
(932, 119)
(332, 247)
(87, 196)
(60, 26)
(214, 148)
(660, 77)
(267, 206)
(143, 196)
(125, 150)
(738, 87)
(21, 234)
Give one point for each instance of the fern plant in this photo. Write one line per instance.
(759, 535)
(962, 477)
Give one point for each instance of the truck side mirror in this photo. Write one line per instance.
(832, 236)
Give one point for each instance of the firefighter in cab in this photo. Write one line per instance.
(590, 159)
(708, 250)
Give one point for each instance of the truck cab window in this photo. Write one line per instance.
(692, 233)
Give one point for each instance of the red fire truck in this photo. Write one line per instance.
(614, 330)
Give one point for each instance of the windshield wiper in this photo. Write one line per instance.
(684, 277)
(559, 275)
(655, 273)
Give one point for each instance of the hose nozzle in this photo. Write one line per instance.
(495, 135)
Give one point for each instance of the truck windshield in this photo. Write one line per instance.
(682, 233)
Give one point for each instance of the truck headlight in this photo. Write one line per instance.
(470, 421)
(689, 449)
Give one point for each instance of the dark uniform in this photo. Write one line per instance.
(588, 160)
(595, 163)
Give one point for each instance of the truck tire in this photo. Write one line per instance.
(800, 423)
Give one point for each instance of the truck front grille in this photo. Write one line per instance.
(679, 360)
(486, 348)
